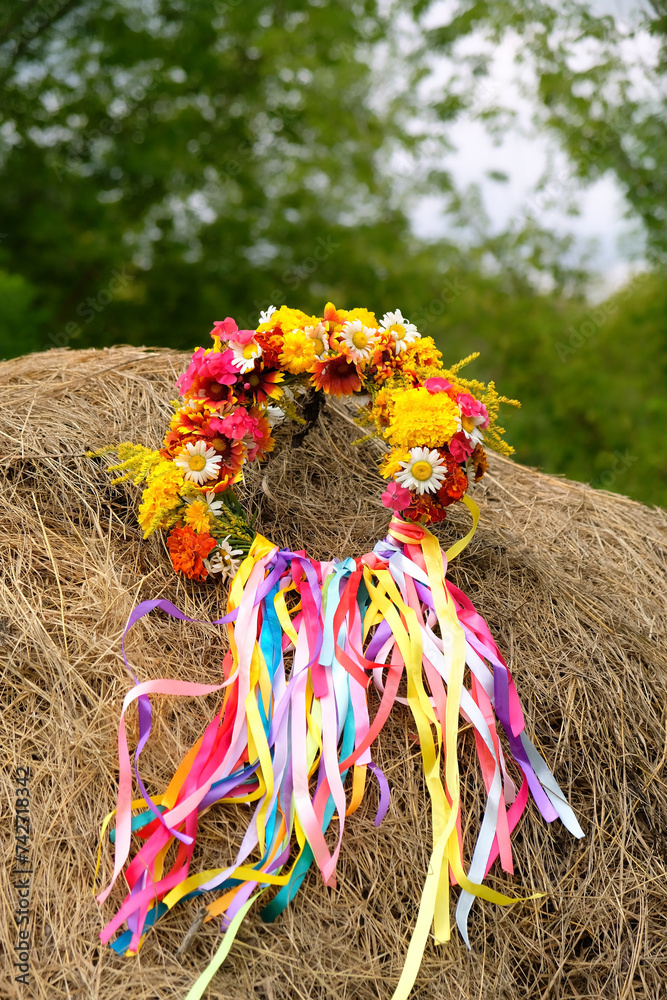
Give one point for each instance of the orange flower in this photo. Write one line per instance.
(337, 376)
(425, 509)
(261, 383)
(272, 345)
(188, 551)
(193, 418)
(333, 315)
(233, 454)
(479, 461)
(455, 484)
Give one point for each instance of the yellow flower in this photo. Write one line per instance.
(390, 464)
(198, 516)
(422, 419)
(298, 353)
(161, 498)
(288, 320)
(367, 318)
(423, 356)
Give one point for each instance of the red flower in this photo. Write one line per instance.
(337, 376)
(455, 485)
(426, 509)
(188, 551)
(262, 384)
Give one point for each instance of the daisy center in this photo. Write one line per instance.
(197, 462)
(319, 346)
(397, 330)
(421, 471)
(360, 340)
(249, 351)
(467, 423)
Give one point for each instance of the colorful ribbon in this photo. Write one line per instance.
(306, 639)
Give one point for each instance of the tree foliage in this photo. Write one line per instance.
(165, 163)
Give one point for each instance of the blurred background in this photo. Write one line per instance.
(498, 171)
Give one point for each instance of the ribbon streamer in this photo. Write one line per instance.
(306, 639)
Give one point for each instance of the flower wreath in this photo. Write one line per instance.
(306, 639)
(235, 393)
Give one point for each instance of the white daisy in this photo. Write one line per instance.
(215, 506)
(318, 334)
(360, 339)
(274, 415)
(198, 462)
(265, 316)
(223, 559)
(424, 472)
(402, 332)
(245, 355)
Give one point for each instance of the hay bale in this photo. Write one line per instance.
(571, 582)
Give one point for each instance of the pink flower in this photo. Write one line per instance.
(235, 425)
(396, 497)
(224, 328)
(219, 365)
(471, 407)
(438, 384)
(461, 447)
(214, 365)
(185, 380)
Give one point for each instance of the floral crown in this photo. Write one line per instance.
(234, 393)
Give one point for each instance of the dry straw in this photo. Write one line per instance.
(572, 583)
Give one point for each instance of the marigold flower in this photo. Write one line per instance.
(455, 484)
(420, 418)
(188, 551)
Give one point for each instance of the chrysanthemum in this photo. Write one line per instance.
(401, 331)
(391, 463)
(298, 353)
(198, 516)
(337, 376)
(423, 472)
(359, 340)
(422, 418)
(223, 559)
(287, 319)
(188, 551)
(199, 462)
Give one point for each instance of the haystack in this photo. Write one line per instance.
(572, 583)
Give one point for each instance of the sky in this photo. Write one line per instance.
(525, 154)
